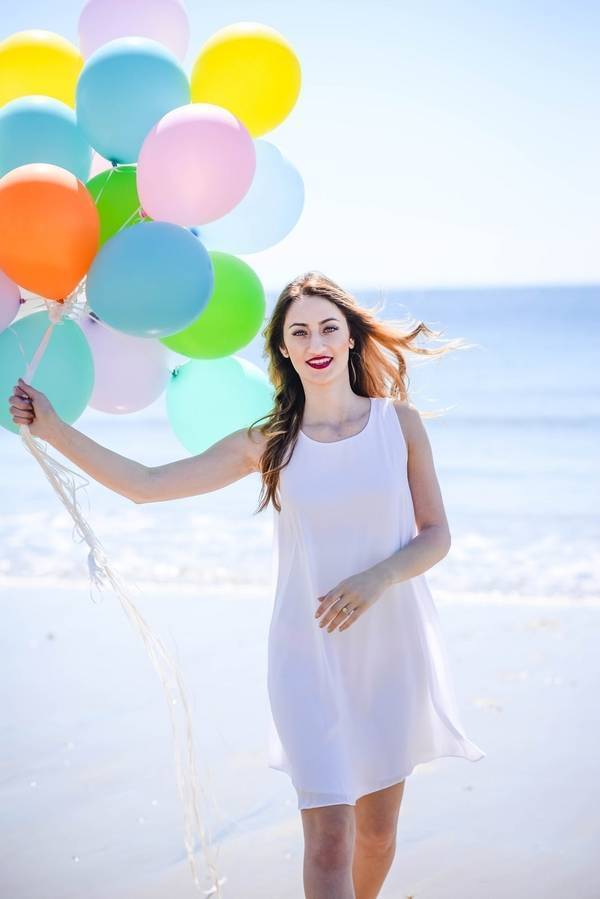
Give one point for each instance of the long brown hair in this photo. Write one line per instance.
(376, 367)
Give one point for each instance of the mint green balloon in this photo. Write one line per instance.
(208, 399)
(65, 372)
(232, 316)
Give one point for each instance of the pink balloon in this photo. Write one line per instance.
(99, 164)
(130, 372)
(195, 165)
(164, 21)
(10, 301)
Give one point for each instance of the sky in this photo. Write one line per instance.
(441, 143)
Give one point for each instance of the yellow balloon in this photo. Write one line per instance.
(252, 71)
(39, 62)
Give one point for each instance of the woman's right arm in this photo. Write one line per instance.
(226, 461)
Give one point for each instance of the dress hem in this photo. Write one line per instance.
(383, 784)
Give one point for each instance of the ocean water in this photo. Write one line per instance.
(516, 453)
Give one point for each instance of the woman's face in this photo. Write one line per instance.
(314, 327)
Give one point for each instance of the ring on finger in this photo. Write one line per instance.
(345, 610)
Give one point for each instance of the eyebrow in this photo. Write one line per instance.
(331, 319)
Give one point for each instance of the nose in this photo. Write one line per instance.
(316, 347)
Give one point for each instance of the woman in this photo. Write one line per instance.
(359, 687)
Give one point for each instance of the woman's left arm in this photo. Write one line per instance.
(432, 542)
(360, 591)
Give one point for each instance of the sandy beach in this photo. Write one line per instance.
(88, 791)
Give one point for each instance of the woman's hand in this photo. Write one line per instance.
(357, 592)
(32, 407)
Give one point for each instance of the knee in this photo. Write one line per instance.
(329, 853)
(331, 848)
(376, 840)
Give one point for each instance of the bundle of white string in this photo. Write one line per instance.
(101, 571)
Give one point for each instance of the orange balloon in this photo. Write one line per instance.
(49, 229)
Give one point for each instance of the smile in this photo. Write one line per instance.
(321, 362)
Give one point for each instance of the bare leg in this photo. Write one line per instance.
(376, 820)
(328, 844)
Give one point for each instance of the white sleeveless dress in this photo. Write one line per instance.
(353, 711)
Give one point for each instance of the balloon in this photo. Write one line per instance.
(115, 194)
(42, 129)
(65, 372)
(10, 301)
(267, 213)
(130, 372)
(195, 165)
(38, 62)
(165, 21)
(124, 88)
(150, 280)
(206, 400)
(232, 317)
(99, 164)
(49, 229)
(251, 70)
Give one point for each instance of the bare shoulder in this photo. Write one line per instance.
(424, 486)
(411, 423)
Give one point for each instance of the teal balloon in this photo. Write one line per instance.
(210, 398)
(124, 88)
(266, 214)
(65, 372)
(150, 280)
(42, 129)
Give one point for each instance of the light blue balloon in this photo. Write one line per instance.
(266, 214)
(210, 398)
(42, 129)
(125, 87)
(150, 280)
(65, 372)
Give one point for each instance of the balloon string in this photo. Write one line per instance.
(62, 480)
(136, 212)
(106, 180)
(39, 352)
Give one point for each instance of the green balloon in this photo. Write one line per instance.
(232, 316)
(65, 372)
(116, 198)
(208, 399)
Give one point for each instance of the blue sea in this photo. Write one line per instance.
(516, 452)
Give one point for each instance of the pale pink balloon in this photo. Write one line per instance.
(165, 21)
(10, 301)
(195, 165)
(130, 372)
(99, 164)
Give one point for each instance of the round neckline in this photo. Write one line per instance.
(344, 439)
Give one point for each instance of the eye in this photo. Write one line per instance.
(328, 328)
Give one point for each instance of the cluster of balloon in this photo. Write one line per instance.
(135, 187)
(128, 190)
